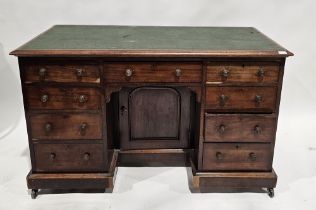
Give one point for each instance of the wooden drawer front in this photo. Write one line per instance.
(257, 99)
(239, 128)
(62, 73)
(66, 126)
(62, 98)
(218, 73)
(237, 157)
(68, 157)
(149, 72)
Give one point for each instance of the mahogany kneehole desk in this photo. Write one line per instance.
(98, 97)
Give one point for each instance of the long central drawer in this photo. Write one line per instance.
(152, 72)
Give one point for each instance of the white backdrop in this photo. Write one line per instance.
(290, 23)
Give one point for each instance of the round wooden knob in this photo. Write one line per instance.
(52, 156)
(86, 156)
(83, 98)
(42, 73)
(128, 72)
(219, 156)
(258, 99)
(178, 72)
(48, 127)
(83, 128)
(79, 73)
(221, 129)
(252, 156)
(260, 73)
(222, 100)
(257, 129)
(44, 98)
(225, 73)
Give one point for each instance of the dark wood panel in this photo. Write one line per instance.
(154, 117)
(239, 128)
(237, 157)
(43, 97)
(242, 99)
(243, 72)
(66, 126)
(64, 73)
(154, 113)
(69, 157)
(154, 157)
(152, 72)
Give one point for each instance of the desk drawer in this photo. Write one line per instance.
(237, 157)
(69, 157)
(152, 72)
(66, 126)
(62, 73)
(242, 99)
(239, 128)
(62, 98)
(218, 73)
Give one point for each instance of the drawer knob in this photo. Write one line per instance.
(252, 156)
(128, 72)
(48, 127)
(225, 73)
(123, 109)
(52, 156)
(42, 73)
(260, 73)
(79, 73)
(178, 72)
(258, 100)
(83, 128)
(257, 129)
(83, 98)
(222, 100)
(221, 129)
(219, 156)
(86, 156)
(44, 98)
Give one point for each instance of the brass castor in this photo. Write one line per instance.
(271, 192)
(34, 193)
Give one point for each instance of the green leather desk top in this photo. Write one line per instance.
(95, 40)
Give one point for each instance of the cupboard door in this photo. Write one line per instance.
(154, 117)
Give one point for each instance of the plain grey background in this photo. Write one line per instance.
(290, 23)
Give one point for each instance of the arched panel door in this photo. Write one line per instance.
(154, 117)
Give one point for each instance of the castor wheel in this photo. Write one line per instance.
(34, 193)
(271, 192)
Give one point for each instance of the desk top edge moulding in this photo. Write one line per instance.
(98, 97)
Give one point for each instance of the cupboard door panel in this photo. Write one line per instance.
(154, 117)
(155, 113)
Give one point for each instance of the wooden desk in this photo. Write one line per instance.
(98, 97)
